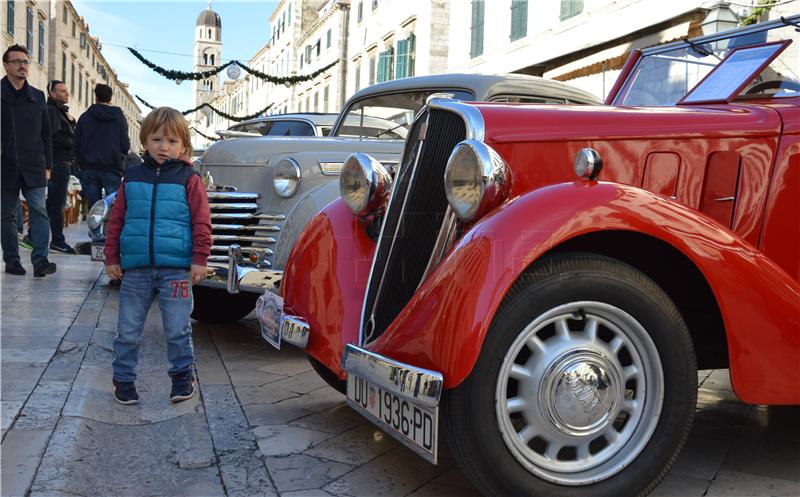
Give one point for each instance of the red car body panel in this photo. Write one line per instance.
(687, 153)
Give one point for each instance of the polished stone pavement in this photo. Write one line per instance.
(265, 424)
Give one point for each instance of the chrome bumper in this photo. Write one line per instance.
(418, 385)
(236, 278)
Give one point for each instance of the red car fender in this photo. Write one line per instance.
(443, 327)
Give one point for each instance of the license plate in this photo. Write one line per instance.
(269, 309)
(97, 252)
(412, 424)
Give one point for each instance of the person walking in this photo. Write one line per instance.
(25, 163)
(158, 241)
(62, 128)
(100, 145)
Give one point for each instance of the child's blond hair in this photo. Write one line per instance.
(174, 124)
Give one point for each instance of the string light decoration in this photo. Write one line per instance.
(214, 109)
(197, 76)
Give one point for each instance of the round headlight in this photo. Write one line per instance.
(97, 214)
(475, 179)
(364, 184)
(286, 178)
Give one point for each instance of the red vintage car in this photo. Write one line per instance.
(541, 283)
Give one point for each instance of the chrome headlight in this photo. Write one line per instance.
(364, 184)
(97, 214)
(475, 179)
(286, 178)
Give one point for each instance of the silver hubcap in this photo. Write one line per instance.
(579, 393)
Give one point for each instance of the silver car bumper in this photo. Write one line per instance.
(418, 385)
(236, 278)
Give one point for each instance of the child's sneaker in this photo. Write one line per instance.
(125, 392)
(182, 386)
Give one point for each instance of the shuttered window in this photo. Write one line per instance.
(405, 57)
(29, 26)
(476, 40)
(10, 18)
(519, 19)
(385, 63)
(372, 69)
(570, 8)
(41, 42)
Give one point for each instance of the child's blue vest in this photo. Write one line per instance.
(158, 225)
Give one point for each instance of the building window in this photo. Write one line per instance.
(10, 17)
(405, 57)
(385, 63)
(64, 14)
(86, 91)
(374, 4)
(29, 26)
(289, 14)
(80, 86)
(74, 32)
(64, 66)
(41, 42)
(72, 77)
(325, 99)
(570, 8)
(209, 34)
(328, 39)
(316, 101)
(360, 11)
(519, 19)
(372, 69)
(476, 41)
(212, 59)
(317, 48)
(358, 76)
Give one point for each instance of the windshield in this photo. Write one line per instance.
(388, 116)
(664, 78)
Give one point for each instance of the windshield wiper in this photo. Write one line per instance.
(389, 130)
(701, 49)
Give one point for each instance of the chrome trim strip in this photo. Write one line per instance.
(443, 243)
(232, 196)
(473, 119)
(243, 227)
(245, 250)
(397, 180)
(294, 330)
(331, 168)
(230, 207)
(232, 215)
(418, 385)
(238, 238)
(271, 217)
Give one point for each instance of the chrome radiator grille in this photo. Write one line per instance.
(235, 219)
(413, 220)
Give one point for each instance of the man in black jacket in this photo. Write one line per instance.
(24, 163)
(101, 144)
(62, 128)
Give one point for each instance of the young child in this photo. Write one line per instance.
(158, 241)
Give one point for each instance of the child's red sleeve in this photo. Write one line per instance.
(201, 220)
(114, 227)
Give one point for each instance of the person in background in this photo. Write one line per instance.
(100, 145)
(24, 163)
(62, 128)
(158, 241)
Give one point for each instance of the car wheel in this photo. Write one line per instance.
(586, 385)
(329, 376)
(213, 305)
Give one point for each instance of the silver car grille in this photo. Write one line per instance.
(235, 219)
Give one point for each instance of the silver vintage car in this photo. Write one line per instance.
(295, 124)
(263, 191)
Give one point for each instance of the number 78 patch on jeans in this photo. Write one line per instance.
(180, 289)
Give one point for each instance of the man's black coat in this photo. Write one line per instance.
(27, 150)
(101, 139)
(62, 127)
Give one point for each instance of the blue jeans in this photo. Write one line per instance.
(39, 225)
(93, 181)
(139, 287)
(56, 198)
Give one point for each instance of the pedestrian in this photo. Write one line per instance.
(158, 241)
(101, 144)
(62, 128)
(26, 160)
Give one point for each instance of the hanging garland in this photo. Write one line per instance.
(203, 134)
(197, 76)
(221, 113)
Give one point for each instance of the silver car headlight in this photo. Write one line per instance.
(364, 184)
(97, 214)
(286, 178)
(475, 180)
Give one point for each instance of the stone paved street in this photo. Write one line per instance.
(265, 424)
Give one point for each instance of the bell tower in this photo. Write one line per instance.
(207, 53)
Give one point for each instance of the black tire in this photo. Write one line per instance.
(519, 465)
(214, 305)
(328, 375)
